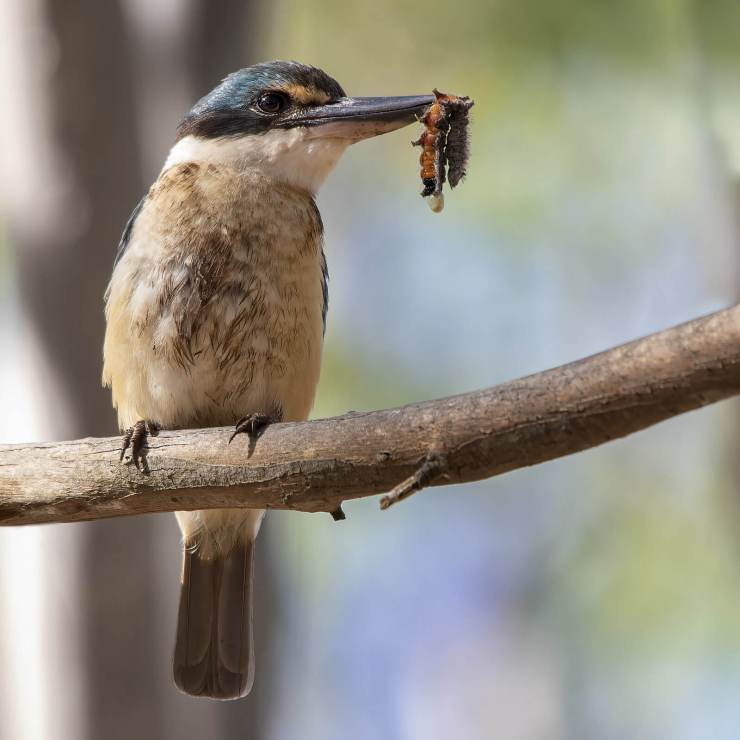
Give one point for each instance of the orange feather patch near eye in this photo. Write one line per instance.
(306, 95)
(445, 146)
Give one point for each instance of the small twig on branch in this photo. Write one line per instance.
(338, 514)
(314, 466)
(431, 468)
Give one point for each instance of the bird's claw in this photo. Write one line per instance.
(252, 425)
(136, 437)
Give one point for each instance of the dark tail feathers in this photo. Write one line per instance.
(214, 653)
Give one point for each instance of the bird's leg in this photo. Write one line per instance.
(252, 425)
(136, 437)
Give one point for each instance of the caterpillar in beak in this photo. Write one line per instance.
(445, 146)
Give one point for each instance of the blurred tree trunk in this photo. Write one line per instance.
(735, 435)
(75, 180)
(221, 37)
(64, 229)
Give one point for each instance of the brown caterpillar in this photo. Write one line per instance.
(432, 141)
(445, 145)
(457, 149)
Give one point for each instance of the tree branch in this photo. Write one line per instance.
(314, 466)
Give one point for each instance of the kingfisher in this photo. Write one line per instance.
(216, 312)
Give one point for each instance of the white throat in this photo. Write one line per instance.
(294, 156)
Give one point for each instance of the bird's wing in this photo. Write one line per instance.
(324, 289)
(126, 236)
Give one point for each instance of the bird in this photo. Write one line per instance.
(216, 313)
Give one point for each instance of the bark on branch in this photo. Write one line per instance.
(314, 466)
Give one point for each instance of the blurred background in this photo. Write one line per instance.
(591, 597)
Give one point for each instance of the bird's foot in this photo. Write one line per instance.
(252, 425)
(136, 437)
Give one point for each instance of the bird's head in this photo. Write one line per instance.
(290, 121)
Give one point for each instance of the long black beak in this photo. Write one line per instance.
(359, 118)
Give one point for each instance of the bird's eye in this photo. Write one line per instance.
(272, 102)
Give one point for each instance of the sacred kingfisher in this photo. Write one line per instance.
(217, 307)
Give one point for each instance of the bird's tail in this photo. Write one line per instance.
(214, 652)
